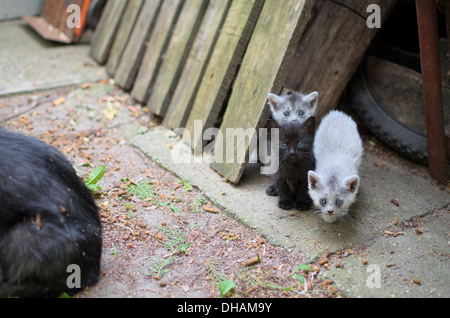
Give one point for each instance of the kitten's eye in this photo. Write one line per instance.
(283, 146)
(300, 144)
(323, 201)
(286, 114)
(339, 202)
(301, 113)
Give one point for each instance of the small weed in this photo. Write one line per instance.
(175, 240)
(174, 208)
(94, 177)
(301, 278)
(222, 282)
(186, 184)
(158, 266)
(115, 251)
(143, 190)
(198, 203)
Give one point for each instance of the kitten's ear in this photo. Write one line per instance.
(310, 124)
(313, 180)
(352, 183)
(312, 99)
(274, 100)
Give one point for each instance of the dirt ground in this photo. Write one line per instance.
(166, 240)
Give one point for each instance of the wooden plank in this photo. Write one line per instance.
(183, 98)
(332, 48)
(126, 27)
(177, 51)
(156, 48)
(279, 28)
(222, 68)
(132, 56)
(106, 30)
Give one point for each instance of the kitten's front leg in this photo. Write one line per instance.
(303, 201)
(303, 204)
(272, 190)
(285, 202)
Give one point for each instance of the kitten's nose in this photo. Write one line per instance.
(330, 211)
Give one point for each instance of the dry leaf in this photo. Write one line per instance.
(394, 201)
(185, 288)
(38, 221)
(59, 101)
(109, 113)
(209, 208)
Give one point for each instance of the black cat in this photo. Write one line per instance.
(296, 158)
(48, 221)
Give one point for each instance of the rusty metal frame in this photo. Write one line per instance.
(431, 72)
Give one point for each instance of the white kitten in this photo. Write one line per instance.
(338, 151)
(293, 107)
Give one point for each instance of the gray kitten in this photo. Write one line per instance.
(338, 150)
(293, 107)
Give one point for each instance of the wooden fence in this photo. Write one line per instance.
(193, 60)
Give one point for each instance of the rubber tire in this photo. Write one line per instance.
(401, 138)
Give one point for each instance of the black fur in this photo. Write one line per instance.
(291, 179)
(48, 220)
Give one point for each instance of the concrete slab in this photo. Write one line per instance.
(425, 257)
(414, 264)
(49, 66)
(301, 231)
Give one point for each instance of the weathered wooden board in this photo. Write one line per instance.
(106, 30)
(177, 51)
(332, 48)
(123, 34)
(132, 55)
(186, 90)
(223, 65)
(156, 49)
(264, 69)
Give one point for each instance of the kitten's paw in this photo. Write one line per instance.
(285, 204)
(272, 190)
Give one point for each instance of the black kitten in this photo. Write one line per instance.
(296, 158)
(48, 221)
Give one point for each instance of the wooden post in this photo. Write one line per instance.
(156, 47)
(177, 51)
(196, 63)
(264, 69)
(132, 55)
(332, 48)
(222, 67)
(106, 30)
(123, 34)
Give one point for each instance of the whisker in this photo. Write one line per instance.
(317, 218)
